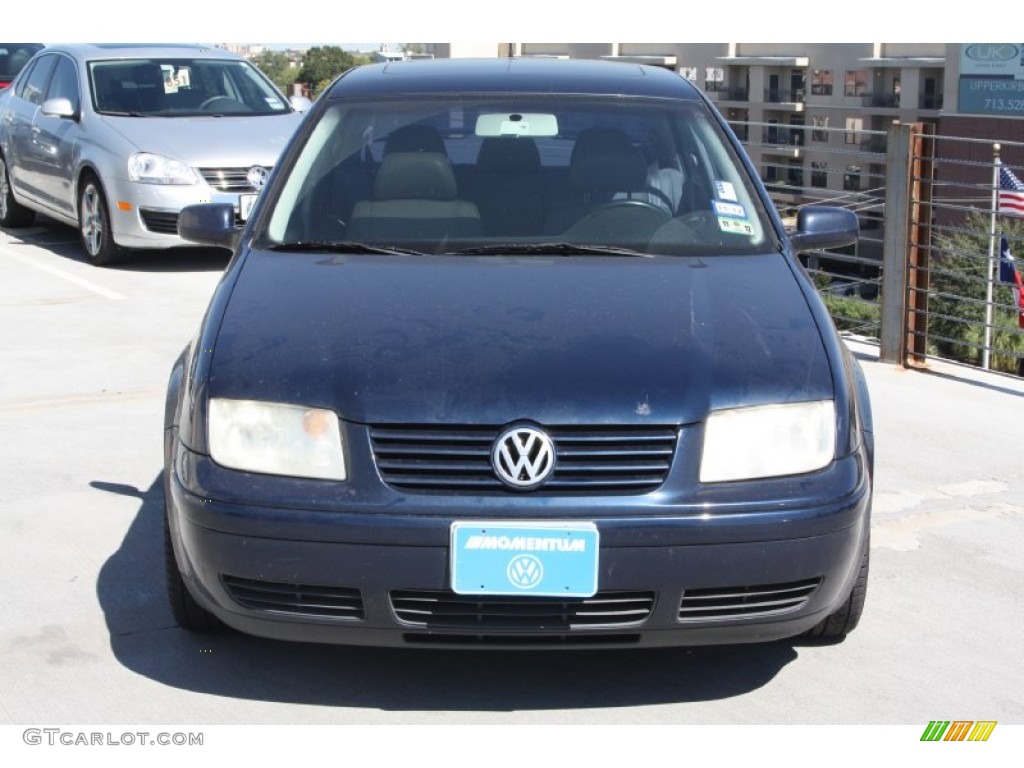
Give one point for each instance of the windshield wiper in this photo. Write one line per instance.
(547, 249)
(117, 113)
(342, 246)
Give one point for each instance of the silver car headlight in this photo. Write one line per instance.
(147, 168)
(276, 439)
(768, 441)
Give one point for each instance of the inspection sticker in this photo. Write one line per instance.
(725, 190)
(737, 226)
(729, 209)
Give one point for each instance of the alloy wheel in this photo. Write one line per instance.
(5, 189)
(92, 220)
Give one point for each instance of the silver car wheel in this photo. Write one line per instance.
(4, 189)
(92, 220)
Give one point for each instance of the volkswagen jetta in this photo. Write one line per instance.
(517, 353)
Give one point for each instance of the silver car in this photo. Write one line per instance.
(116, 140)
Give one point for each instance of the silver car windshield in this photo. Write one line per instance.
(522, 174)
(176, 87)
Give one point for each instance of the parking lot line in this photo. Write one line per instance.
(63, 274)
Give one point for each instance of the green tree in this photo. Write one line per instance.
(957, 287)
(321, 65)
(278, 67)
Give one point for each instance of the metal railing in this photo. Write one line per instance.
(957, 306)
(923, 280)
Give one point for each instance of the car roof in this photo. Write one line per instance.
(93, 51)
(521, 75)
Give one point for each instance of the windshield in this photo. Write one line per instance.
(175, 87)
(524, 175)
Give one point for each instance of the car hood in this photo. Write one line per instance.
(210, 141)
(486, 340)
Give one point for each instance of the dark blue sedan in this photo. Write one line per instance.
(517, 353)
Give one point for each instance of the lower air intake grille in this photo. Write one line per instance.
(521, 641)
(447, 610)
(164, 222)
(745, 602)
(607, 459)
(307, 599)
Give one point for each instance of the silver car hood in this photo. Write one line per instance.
(210, 141)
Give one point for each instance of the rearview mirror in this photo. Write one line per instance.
(516, 124)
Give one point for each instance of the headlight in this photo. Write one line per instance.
(276, 439)
(768, 441)
(148, 168)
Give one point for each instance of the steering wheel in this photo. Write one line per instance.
(649, 190)
(631, 202)
(214, 99)
(619, 221)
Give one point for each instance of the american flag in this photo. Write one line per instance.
(1011, 193)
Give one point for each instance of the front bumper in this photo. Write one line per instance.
(667, 575)
(151, 218)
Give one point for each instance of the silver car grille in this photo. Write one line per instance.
(229, 179)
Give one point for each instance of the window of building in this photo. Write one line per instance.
(851, 179)
(714, 78)
(688, 73)
(821, 82)
(819, 131)
(856, 82)
(771, 174)
(854, 125)
(795, 173)
(819, 174)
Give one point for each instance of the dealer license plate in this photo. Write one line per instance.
(549, 559)
(245, 204)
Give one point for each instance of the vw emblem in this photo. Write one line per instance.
(257, 177)
(523, 457)
(525, 571)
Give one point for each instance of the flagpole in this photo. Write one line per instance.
(989, 282)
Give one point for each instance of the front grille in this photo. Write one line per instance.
(598, 459)
(745, 602)
(307, 599)
(164, 222)
(447, 610)
(521, 641)
(229, 179)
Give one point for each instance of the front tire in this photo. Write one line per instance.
(12, 214)
(187, 612)
(841, 623)
(94, 225)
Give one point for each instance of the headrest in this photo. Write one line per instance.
(508, 154)
(415, 137)
(604, 159)
(415, 176)
(148, 74)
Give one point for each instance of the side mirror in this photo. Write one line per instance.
(58, 108)
(300, 103)
(209, 224)
(823, 226)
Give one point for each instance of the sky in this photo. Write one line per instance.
(524, 20)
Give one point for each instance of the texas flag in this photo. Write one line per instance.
(1008, 274)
